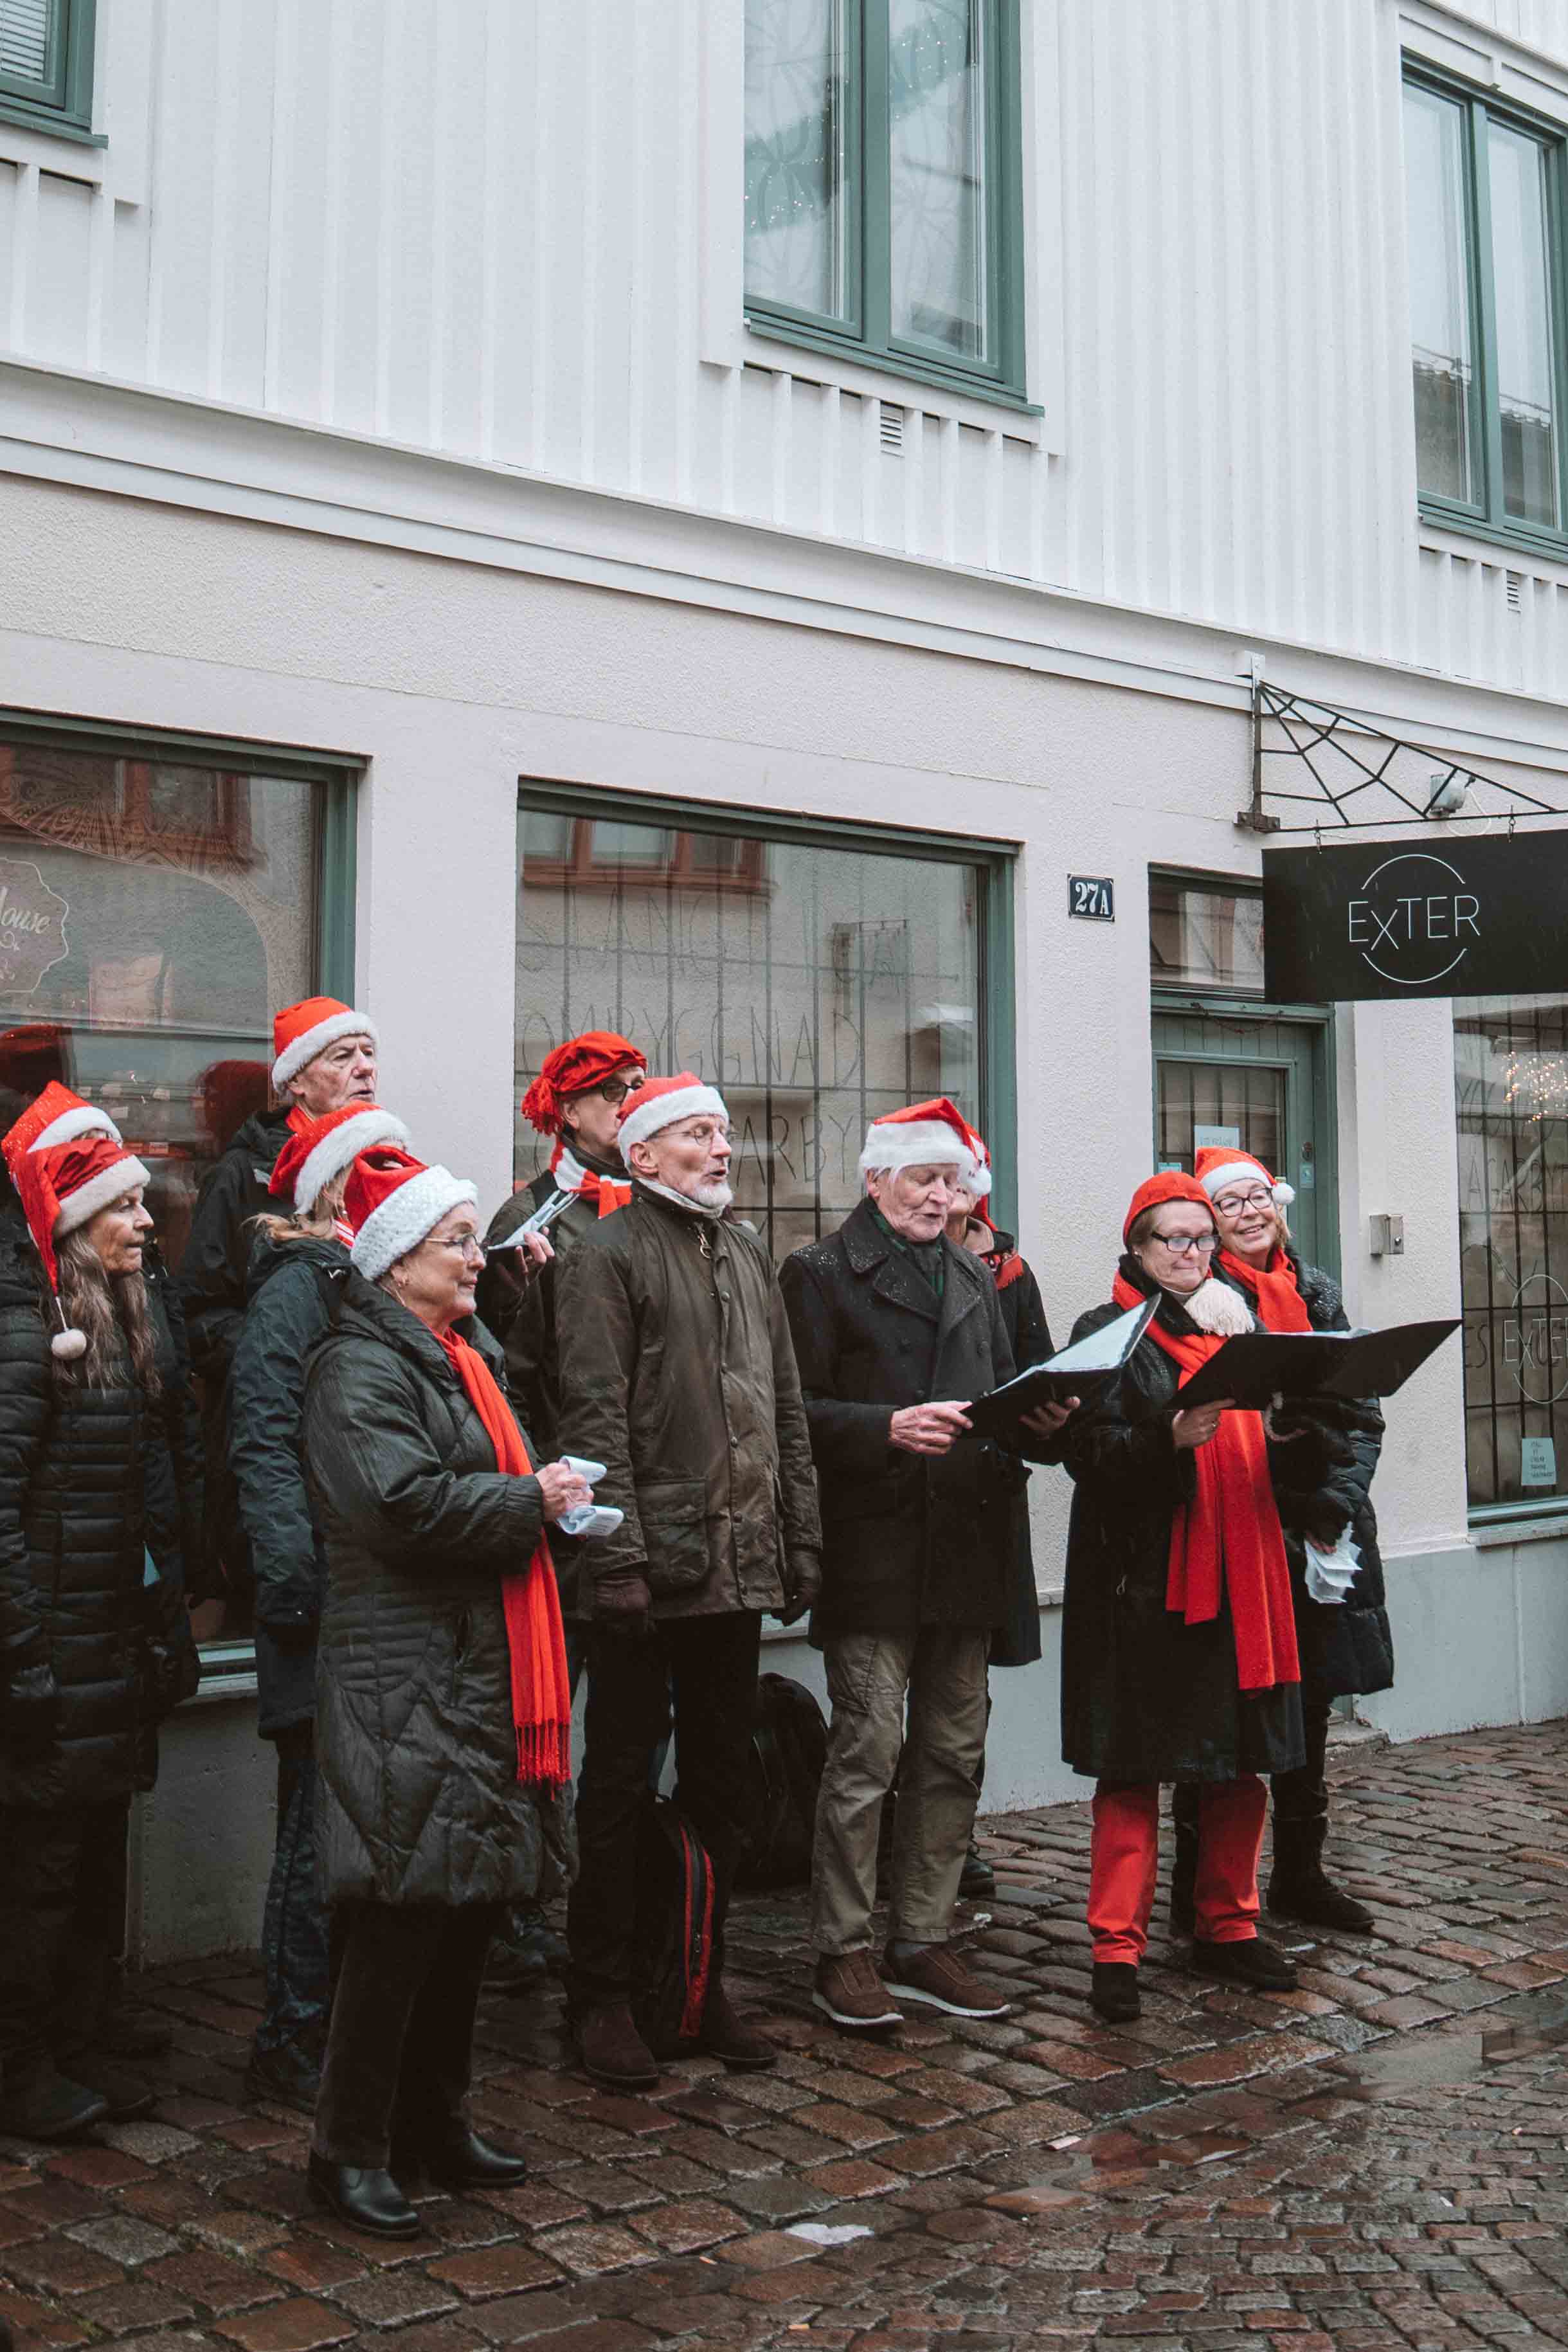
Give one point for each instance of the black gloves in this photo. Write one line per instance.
(30, 1709)
(802, 1581)
(623, 1604)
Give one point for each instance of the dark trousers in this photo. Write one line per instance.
(62, 1922)
(707, 1667)
(1301, 1798)
(294, 1943)
(401, 2043)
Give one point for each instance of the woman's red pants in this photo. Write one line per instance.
(1125, 1852)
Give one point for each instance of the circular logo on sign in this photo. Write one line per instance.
(32, 927)
(1535, 1338)
(1414, 921)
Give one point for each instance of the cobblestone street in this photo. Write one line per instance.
(1375, 2160)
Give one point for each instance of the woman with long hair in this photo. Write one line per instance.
(91, 1611)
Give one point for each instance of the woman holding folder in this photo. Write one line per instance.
(1179, 1657)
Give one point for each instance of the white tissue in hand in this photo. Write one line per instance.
(1330, 1574)
(590, 1520)
(593, 1471)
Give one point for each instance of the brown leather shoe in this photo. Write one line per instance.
(936, 1978)
(849, 1990)
(726, 2034)
(613, 2050)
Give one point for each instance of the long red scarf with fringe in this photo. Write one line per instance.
(1271, 1289)
(541, 1688)
(1226, 1541)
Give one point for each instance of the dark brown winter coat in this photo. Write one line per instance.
(677, 1373)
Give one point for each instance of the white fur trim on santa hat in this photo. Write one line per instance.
(651, 1116)
(84, 1119)
(1238, 1171)
(892, 1144)
(305, 1048)
(109, 1184)
(339, 1148)
(406, 1217)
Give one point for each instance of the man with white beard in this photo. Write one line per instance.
(678, 1373)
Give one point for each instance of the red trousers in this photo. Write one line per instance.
(1125, 1852)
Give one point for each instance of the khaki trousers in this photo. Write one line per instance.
(939, 1672)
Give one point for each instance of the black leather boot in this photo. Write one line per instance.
(365, 2199)
(454, 2158)
(1299, 1886)
(1113, 1991)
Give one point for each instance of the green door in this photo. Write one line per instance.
(1260, 1086)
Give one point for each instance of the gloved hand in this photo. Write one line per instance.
(30, 1709)
(623, 1604)
(802, 1581)
(1325, 1519)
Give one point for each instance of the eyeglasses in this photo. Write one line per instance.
(1232, 1203)
(467, 1244)
(1181, 1244)
(615, 1091)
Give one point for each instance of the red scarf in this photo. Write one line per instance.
(586, 1183)
(1271, 1289)
(541, 1688)
(1227, 1538)
(301, 1121)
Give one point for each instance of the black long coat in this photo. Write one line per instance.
(907, 1540)
(1145, 1696)
(90, 1486)
(415, 1749)
(1017, 1643)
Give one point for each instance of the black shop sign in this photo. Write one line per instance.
(1486, 917)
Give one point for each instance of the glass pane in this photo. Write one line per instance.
(1441, 325)
(1522, 274)
(630, 844)
(1205, 939)
(25, 43)
(815, 986)
(548, 839)
(797, 132)
(1511, 1072)
(936, 140)
(1238, 1104)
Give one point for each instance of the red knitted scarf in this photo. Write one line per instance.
(1226, 1541)
(541, 1688)
(587, 1183)
(1271, 1289)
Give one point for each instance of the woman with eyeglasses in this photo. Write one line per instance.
(1179, 1637)
(1346, 1645)
(442, 1707)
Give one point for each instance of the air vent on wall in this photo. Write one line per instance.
(1514, 590)
(890, 428)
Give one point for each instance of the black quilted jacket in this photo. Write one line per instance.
(88, 1477)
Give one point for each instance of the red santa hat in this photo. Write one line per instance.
(57, 1116)
(1170, 1184)
(927, 1134)
(573, 1068)
(318, 1154)
(1217, 1165)
(663, 1102)
(60, 1188)
(302, 1031)
(393, 1202)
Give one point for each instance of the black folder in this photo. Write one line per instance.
(1077, 1371)
(1257, 1366)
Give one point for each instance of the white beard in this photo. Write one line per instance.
(1217, 1308)
(707, 1199)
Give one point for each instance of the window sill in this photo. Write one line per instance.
(1507, 539)
(50, 125)
(848, 361)
(1542, 1526)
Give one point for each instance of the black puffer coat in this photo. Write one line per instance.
(1347, 1649)
(294, 1288)
(1145, 1696)
(88, 1484)
(907, 1541)
(415, 1749)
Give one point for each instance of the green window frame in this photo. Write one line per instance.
(874, 70)
(1487, 421)
(58, 100)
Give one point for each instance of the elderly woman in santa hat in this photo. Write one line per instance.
(1345, 1643)
(297, 1265)
(442, 1707)
(96, 1643)
(1179, 1658)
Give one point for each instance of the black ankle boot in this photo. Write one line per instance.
(1299, 1886)
(364, 2198)
(454, 2158)
(1113, 1991)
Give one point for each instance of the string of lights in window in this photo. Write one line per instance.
(1362, 779)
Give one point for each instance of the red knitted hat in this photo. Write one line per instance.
(302, 1031)
(393, 1202)
(311, 1160)
(58, 1116)
(62, 1188)
(1170, 1184)
(1217, 1165)
(571, 1069)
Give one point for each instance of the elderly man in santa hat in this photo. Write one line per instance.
(896, 1330)
(676, 1372)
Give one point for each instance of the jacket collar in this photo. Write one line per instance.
(379, 1315)
(900, 1281)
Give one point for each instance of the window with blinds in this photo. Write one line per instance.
(46, 65)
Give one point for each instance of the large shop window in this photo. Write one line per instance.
(1511, 1071)
(817, 978)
